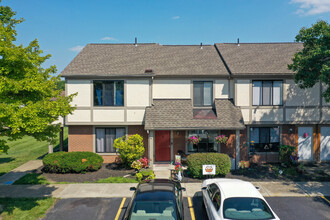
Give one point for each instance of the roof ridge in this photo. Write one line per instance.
(121, 44)
(264, 43)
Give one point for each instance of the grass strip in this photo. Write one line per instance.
(25, 208)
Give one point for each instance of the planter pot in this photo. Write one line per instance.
(179, 176)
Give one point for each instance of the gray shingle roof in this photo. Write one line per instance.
(178, 114)
(259, 58)
(127, 59)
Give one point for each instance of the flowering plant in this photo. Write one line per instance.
(178, 167)
(221, 139)
(244, 164)
(141, 163)
(294, 157)
(305, 135)
(194, 139)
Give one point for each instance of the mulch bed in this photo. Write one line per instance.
(107, 170)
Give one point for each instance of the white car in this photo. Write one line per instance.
(234, 199)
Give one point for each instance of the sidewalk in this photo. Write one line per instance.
(15, 174)
(106, 190)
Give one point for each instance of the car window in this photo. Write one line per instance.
(178, 198)
(246, 208)
(211, 189)
(214, 194)
(157, 210)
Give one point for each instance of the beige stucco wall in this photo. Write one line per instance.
(171, 89)
(83, 88)
(326, 114)
(302, 114)
(80, 116)
(138, 93)
(242, 92)
(221, 89)
(135, 115)
(246, 115)
(301, 97)
(269, 115)
(108, 115)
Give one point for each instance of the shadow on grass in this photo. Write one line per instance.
(6, 160)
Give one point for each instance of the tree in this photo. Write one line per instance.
(29, 101)
(312, 64)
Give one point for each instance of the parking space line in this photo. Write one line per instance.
(325, 199)
(191, 208)
(120, 208)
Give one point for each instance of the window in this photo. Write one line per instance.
(206, 144)
(267, 92)
(108, 93)
(214, 194)
(105, 138)
(203, 93)
(264, 139)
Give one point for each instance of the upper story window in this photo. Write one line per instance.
(267, 92)
(109, 93)
(203, 93)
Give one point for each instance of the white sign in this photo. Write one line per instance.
(208, 169)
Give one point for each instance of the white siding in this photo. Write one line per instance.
(138, 93)
(269, 115)
(246, 115)
(108, 115)
(301, 115)
(83, 88)
(221, 89)
(135, 116)
(301, 97)
(171, 89)
(242, 93)
(80, 116)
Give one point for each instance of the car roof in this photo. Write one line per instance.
(158, 189)
(236, 188)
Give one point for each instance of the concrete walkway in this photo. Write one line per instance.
(106, 190)
(10, 177)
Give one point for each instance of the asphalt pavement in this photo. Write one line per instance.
(290, 208)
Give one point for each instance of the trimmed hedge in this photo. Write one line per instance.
(196, 161)
(72, 162)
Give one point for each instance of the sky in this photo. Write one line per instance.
(64, 27)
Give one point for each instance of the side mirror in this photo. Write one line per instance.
(257, 187)
(183, 189)
(204, 188)
(132, 188)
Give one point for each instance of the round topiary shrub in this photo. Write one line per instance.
(72, 162)
(196, 161)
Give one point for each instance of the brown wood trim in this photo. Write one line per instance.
(319, 142)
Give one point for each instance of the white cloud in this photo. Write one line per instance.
(109, 38)
(76, 48)
(312, 7)
(176, 17)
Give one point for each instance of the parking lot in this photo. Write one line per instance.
(114, 208)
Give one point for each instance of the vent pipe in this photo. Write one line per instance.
(135, 44)
(201, 46)
(238, 42)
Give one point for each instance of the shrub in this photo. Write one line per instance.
(72, 162)
(129, 149)
(285, 154)
(145, 174)
(139, 164)
(196, 161)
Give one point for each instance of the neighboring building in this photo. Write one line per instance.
(168, 93)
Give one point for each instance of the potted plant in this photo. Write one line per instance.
(221, 139)
(194, 140)
(178, 171)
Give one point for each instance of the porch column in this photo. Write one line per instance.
(237, 155)
(151, 145)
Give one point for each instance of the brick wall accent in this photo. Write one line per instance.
(109, 158)
(139, 129)
(263, 158)
(244, 155)
(229, 148)
(289, 138)
(80, 138)
(179, 141)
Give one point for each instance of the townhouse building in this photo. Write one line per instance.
(168, 93)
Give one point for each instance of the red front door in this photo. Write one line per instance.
(162, 141)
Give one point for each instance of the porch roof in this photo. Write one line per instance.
(177, 114)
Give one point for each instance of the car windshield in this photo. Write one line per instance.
(246, 208)
(155, 210)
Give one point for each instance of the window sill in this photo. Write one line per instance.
(107, 154)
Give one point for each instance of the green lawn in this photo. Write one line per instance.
(23, 150)
(36, 178)
(25, 208)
